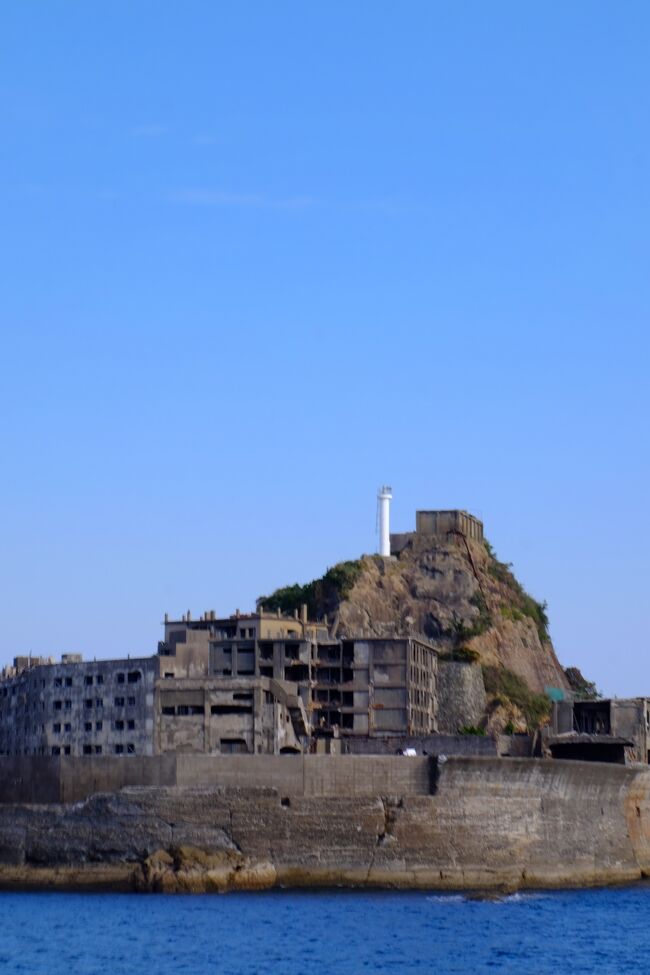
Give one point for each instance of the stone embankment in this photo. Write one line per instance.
(487, 824)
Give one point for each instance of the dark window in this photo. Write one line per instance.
(88, 726)
(168, 674)
(119, 702)
(119, 726)
(130, 725)
(130, 748)
(131, 702)
(134, 676)
(168, 710)
(58, 705)
(68, 705)
(233, 746)
(231, 709)
(120, 678)
(99, 725)
(56, 750)
(190, 709)
(67, 727)
(68, 682)
(88, 680)
(66, 750)
(99, 702)
(98, 749)
(100, 680)
(119, 749)
(88, 749)
(58, 681)
(56, 728)
(88, 703)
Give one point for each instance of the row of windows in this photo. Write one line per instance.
(423, 698)
(99, 726)
(122, 677)
(418, 676)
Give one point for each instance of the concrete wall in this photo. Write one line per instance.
(69, 780)
(447, 745)
(461, 695)
(489, 823)
(443, 522)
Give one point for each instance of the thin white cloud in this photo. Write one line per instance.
(221, 198)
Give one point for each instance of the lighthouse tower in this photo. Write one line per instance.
(384, 498)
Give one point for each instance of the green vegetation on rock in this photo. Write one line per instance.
(463, 655)
(507, 687)
(320, 595)
(583, 689)
(522, 603)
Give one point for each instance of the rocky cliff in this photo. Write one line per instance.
(462, 598)
(489, 823)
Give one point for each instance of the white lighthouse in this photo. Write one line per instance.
(384, 498)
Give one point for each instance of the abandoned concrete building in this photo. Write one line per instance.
(75, 708)
(444, 525)
(255, 716)
(363, 687)
(257, 684)
(616, 730)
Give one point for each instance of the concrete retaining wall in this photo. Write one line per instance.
(461, 695)
(488, 823)
(448, 745)
(68, 780)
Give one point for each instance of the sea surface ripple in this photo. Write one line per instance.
(332, 932)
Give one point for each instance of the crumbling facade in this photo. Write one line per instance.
(221, 716)
(74, 708)
(361, 686)
(616, 729)
(444, 525)
(255, 684)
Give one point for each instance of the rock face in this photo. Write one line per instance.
(462, 598)
(489, 823)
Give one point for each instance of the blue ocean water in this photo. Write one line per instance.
(333, 933)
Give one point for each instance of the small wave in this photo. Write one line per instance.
(522, 896)
(489, 897)
(446, 898)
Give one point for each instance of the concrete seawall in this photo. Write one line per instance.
(487, 823)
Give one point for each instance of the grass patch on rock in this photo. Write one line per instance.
(508, 688)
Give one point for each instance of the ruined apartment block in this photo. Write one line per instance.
(364, 687)
(226, 715)
(76, 708)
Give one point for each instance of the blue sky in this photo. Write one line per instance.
(259, 258)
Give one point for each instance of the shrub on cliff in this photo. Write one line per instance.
(320, 595)
(522, 603)
(583, 689)
(504, 685)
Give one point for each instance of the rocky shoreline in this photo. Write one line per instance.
(489, 824)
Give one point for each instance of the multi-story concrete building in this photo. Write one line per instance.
(226, 715)
(125, 707)
(261, 683)
(74, 708)
(361, 686)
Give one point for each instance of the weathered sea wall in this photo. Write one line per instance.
(485, 823)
